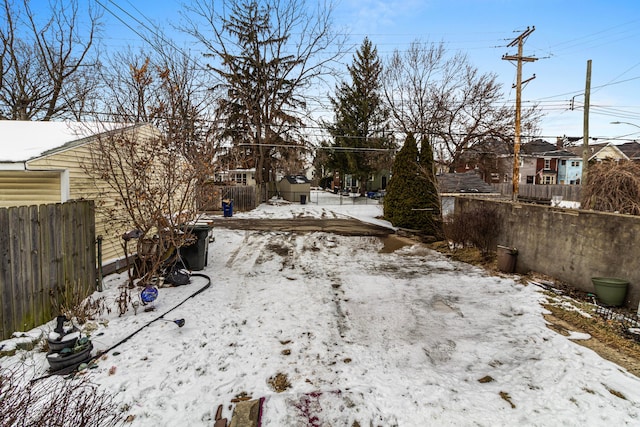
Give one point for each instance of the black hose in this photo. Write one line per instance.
(157, 318)
(122, 341)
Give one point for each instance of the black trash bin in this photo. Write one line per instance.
(195, 254)
(303, 199)
(227, 208)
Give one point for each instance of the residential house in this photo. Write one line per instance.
(237, 176)
(631, 150)
(535, 167)
(45, 162)
(610, 151)
(542, 162)
(489, 159)
(377, 181)
(570, 170)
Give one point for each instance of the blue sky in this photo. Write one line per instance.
(568, 33)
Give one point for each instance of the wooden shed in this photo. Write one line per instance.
(44, 162)
(295, 188)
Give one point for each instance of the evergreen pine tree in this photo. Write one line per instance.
(360, 118)
(412, 198)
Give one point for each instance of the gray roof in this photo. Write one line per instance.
(468, 182)
(538, 146)
(555, 153)
(297, 179)
(630, 149)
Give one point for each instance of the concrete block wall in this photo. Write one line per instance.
(570, 245)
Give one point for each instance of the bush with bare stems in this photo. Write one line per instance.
(613, 187)
(54, 402)
(476, 228)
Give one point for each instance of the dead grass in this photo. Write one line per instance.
(279, 382)
(606, 339)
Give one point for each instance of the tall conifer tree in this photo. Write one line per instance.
(360, 125)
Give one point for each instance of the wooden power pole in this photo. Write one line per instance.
(585, 129)
(519, 58)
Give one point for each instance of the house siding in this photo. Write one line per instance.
(609, 152)
(74, 160)
(570, 172)
(25, 188)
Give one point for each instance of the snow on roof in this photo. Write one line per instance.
(24, 140)
(297, 179)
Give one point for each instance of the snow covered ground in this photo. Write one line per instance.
(364, 336)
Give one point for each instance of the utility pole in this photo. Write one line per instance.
(585, 129)
(519, 58)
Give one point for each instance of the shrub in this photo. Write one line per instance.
(54, 402)
(412, 199)
(74, 306)
(478, 227)
(613, 187)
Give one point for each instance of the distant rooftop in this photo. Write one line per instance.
(468, 182)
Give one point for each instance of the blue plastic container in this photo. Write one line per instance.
(227, 208)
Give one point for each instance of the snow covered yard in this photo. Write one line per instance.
(357, 335)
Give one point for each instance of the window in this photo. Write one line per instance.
(549, 179)
(547, 163)
(575, 163)
(529, 179)
(564, 162)
(240, 178)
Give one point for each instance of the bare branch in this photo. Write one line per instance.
(46, 68)
(448, 101)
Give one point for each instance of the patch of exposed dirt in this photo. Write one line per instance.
(344, 227)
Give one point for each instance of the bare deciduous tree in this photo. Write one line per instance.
(448, 102)
(149, 171)
(47, 66)
(165, 89)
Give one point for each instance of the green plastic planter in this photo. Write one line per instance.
(610, 290)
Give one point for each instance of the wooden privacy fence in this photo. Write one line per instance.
(211, 197)
(47, 260)
(541, 191)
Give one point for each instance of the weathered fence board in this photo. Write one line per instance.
(5, 272)
(541, 191)
(47, 259)
(243, 196)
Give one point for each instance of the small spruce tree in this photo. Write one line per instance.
(412, 198)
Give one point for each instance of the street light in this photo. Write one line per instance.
(624, 123)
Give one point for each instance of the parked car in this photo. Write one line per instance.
(377, 195)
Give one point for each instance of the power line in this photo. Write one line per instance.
(153, 31)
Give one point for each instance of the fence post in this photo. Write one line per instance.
(99, 278)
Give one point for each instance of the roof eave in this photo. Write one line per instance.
(13, 166)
